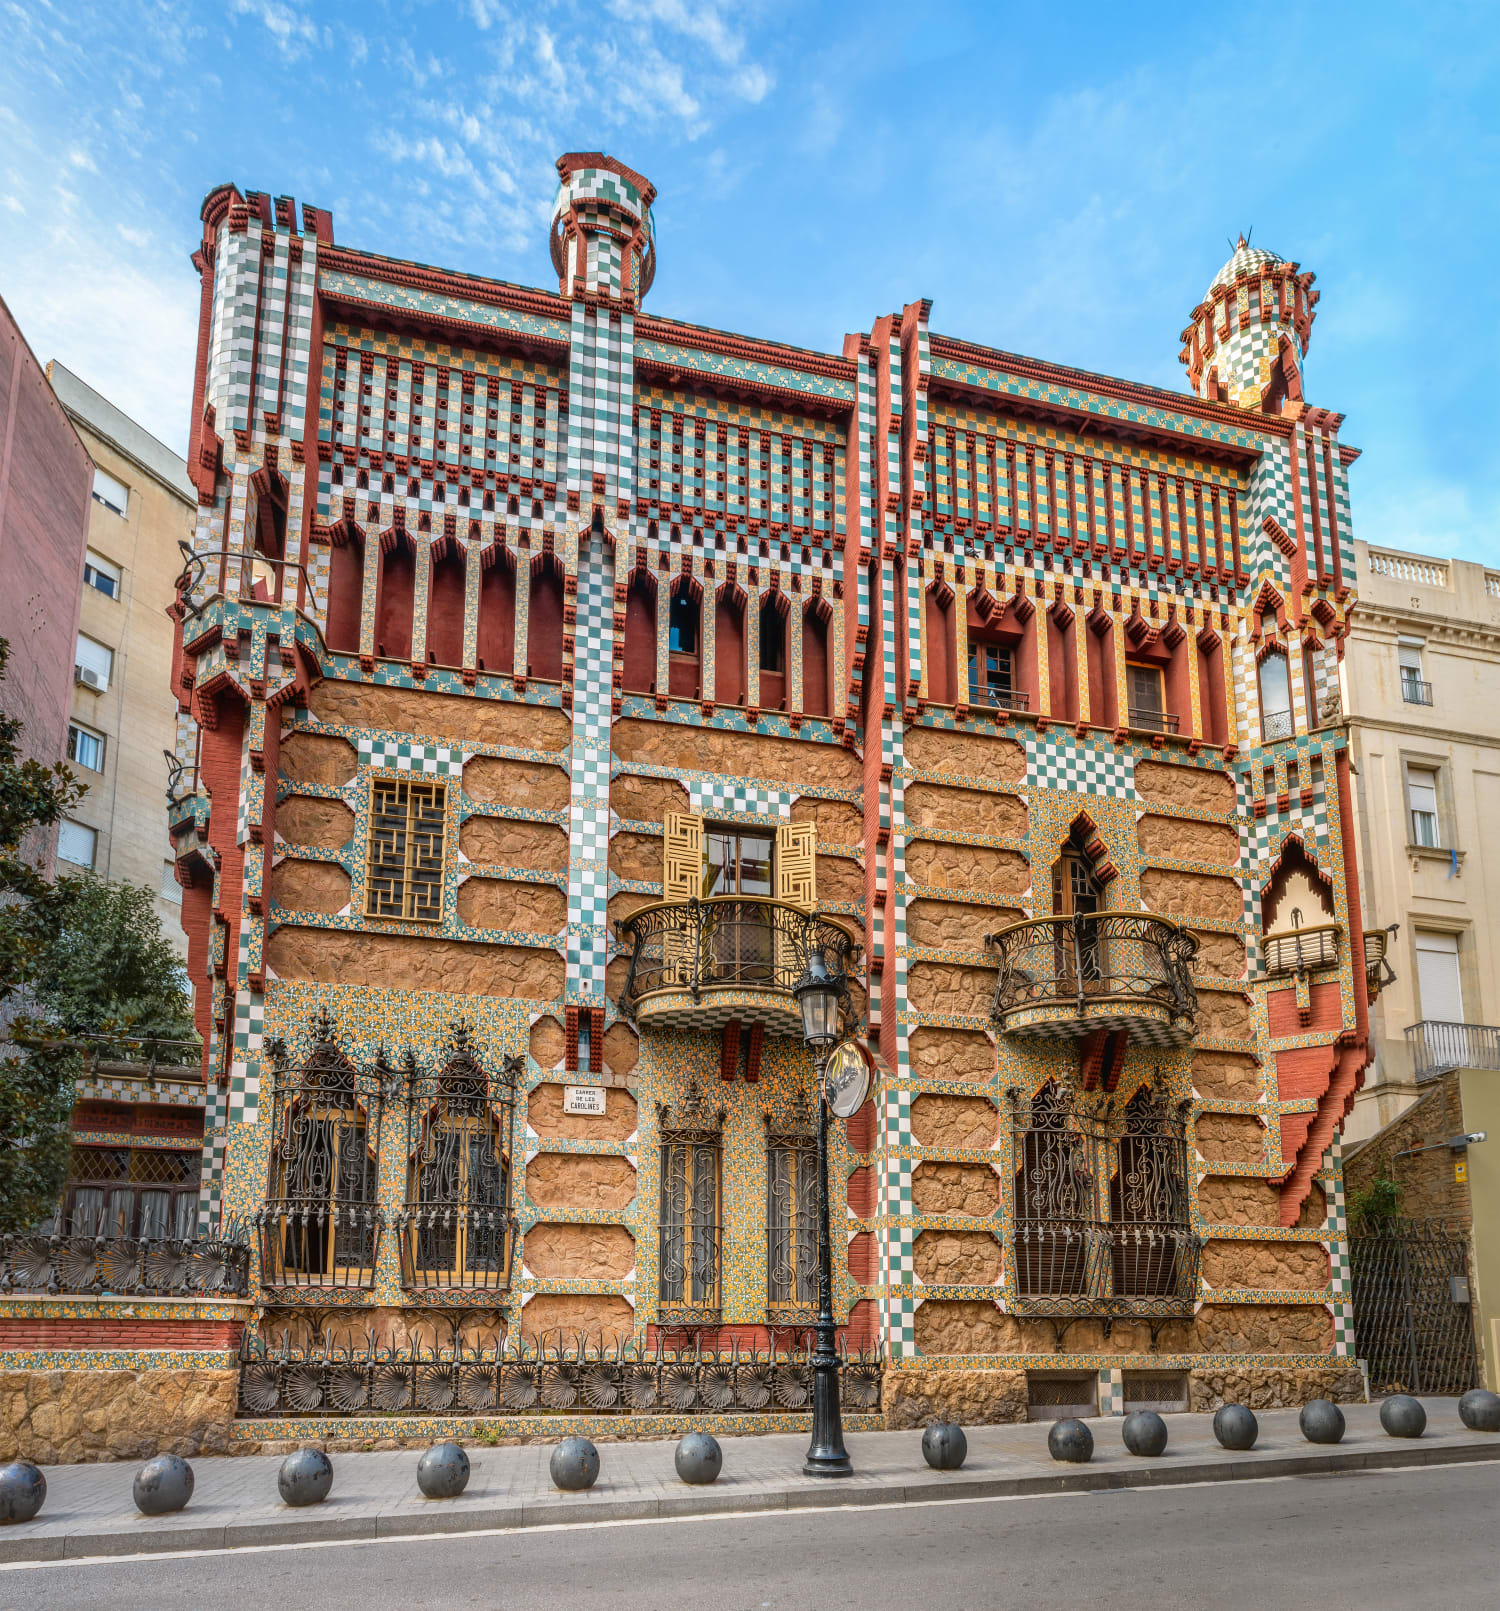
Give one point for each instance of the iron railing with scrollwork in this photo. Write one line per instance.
(1276, 725)
(740, 941)
(1066, 1254)
(1299, 950)
(1378, 970)
(126, 1266)
(552, 1377)
(1092, 959)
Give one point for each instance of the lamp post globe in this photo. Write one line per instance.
(819, 994)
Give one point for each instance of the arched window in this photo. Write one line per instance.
(396, 596)
(639, 672)
(684, 650)
(1078, 893)
(447, 599)
(1275, 697)
(455, 1228)
(773, 656)
(817, 680)
(729, 647)
(496, 640)
(346, 588)
(544, 626)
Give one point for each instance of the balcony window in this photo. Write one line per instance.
(992, 677)
(1439, 986)
(791, 1224)
(1071, 1255)
(1146, 694)
(1415, 689)
(1422, 802)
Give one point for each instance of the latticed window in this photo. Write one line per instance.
(404, 873)
(320, 1223)
(689, 1231)
(132, 1192)
(1101, 1219)
(791, 1224)
(456, 1225)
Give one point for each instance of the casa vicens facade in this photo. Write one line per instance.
(556, 677)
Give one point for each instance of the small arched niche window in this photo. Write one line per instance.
(1275, 697)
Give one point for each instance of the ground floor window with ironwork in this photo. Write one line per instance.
(320, 1223)
(1101, 1221)
(791, 1227)
(688, 1248)
(145, 1192)
(455, 1227)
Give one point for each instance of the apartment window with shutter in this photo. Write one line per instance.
(1422, 803)
(93, 663)
(1415, 689)
(85, 747)
(76, 843)
(404, 871)
(171, 890)
(102, 575)
(112, 494)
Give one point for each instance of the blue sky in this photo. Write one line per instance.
(1061, 183)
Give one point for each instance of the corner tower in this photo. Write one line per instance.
(1247, 339)
(603, 236)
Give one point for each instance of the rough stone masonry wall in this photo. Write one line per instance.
(58, 1417)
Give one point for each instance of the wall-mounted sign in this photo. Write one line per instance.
(586, 1099)
(1461, 1171)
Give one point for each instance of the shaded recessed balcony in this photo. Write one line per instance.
(1066, 977)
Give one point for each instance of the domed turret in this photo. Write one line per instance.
(1248, 337)
(603, 236)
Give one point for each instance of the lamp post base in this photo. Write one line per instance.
(833, 1466)
(826, 1455)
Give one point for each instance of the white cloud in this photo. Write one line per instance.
(292, 32)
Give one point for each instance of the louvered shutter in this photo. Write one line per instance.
(797, 865)
(681, 880)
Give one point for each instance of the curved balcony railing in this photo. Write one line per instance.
(126, 1266)
(686, 955)
(1118, 970)
(1091, 1267)
(1302, 950)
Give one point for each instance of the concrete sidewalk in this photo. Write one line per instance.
(89, 1511)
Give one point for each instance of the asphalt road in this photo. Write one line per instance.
(1426, 1537)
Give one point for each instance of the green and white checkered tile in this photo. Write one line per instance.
(1059, 761)
(1112, 1390)
(403, 755)
(726, 797)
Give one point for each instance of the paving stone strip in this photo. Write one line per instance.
(89, 1511)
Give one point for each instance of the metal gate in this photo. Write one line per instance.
(1412, 1322)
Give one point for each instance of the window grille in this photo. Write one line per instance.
(404, 871)
(791, 1226)
(1101, 1221)
(456, 1228)
(688, 1288)
(144, 1192)
(320, 1224)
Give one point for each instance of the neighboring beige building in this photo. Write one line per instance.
(123, 717)
(1421, 686)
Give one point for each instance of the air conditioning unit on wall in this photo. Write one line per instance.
(90, 678)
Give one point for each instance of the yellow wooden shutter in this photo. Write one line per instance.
(797, 865)
(682, 856)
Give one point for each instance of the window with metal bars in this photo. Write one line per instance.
(132, 1191)
(689, 1230)
(791, 1225)
(404, 869)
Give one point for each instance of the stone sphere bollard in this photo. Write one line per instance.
(23, 1491)
(1479, 1410)
(443, 1471)
(305, 1477)
(1145, 1433)
(944, 1446)
(1321, 1421)
(1235, 1426)
(1070, 1441)
(699, 1459)
(1402, 1416)
(163, 1485)
(574, 1465)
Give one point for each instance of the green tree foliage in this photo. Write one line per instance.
(36, 1082)
(1375, 1203)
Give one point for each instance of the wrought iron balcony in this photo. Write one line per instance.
(1378, 970)
(309, 1246)
(1093, 1267)
(1000, 698)
(1152, 721)
(1414, 691)
(1068, 976)
(1438, 1047)
(699, 964)
(126, 1266)
(1276, 725)
(1302, 950)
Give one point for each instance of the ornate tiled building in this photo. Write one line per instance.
(556, 677)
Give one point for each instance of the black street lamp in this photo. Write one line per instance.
(819, 994)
